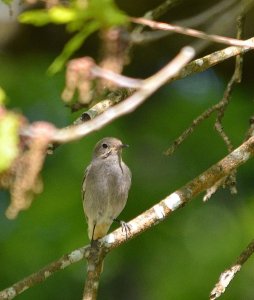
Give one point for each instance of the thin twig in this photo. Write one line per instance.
(148, 87)
(239, 58)
(187, 132)
(250, 131)
(229, 274)
(218, 9)
(193, 32)
(209, 14)
(119, 79)
(162, 9)
(155, 14)
(197, 66)
(144, 221)
(220, 109)
(112, 99)
(236, 78)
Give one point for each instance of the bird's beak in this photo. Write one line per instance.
(124, 146)
(120, 147)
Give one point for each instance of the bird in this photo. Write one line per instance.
(105, 187)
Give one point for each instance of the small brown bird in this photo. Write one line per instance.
(105, 187)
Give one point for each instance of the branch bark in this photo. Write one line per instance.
(94, 270)
(149, 86)
(146, 220)
(193, 32)
(229, 274)
(69, 133)
(41, 275)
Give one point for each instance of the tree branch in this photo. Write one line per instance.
(148, 86)
(196, 66)
(147, 219)
(44, 273)
(229, 274)
(209, 59)
(202, 64)
(94, 270)
(193, 32)
(154, 14)
(205, 16)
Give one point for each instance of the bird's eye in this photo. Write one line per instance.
(104, 146)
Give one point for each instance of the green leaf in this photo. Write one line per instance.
(9, 125)
(107, 13)
(41, 17)
(62, 15)
(7, 2)
(57, 15)
(73, 45)
(38, 17)
(3, 97)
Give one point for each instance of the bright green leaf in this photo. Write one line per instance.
(9, 125)
(62, 15)
(38, 17)
(73, 45)
(56, 15)
(107, 13)
(2, 96)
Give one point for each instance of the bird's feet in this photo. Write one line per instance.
(125, 227)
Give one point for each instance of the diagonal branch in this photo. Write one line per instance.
(149, 86)
(196, 66)
(147, 219)
(229, 274)
(218, 106)
(193, 32)
(183, 195)
(154, 14)
(199, 65)
(202, 64)
(213, 13)
(40, 276)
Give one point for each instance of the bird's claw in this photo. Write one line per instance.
(125, 228)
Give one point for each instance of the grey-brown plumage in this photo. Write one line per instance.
(105, 187)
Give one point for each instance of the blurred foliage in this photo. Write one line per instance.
(7, 2)
(9, 130)
(3, 96)
(9, 126)
(180, 258)
(85, 17)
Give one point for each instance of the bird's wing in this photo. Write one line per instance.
(83, 189)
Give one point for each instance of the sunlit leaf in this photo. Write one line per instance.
(38, 17)
(9, 125)
(56, 15)
(62, 15)
(41, 17)
(2, 96)
(107, 13)
(73, 45)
